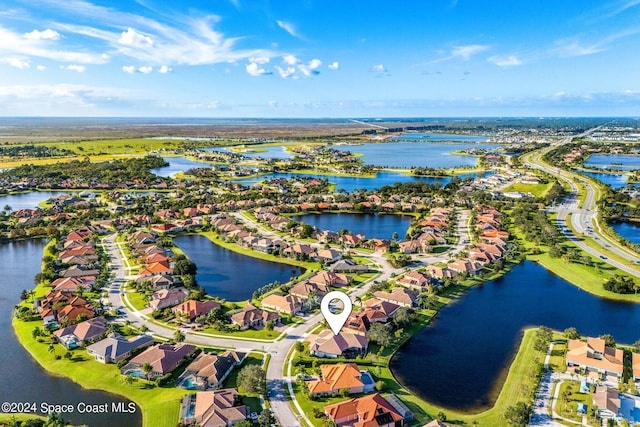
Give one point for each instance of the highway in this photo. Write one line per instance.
(583, 218)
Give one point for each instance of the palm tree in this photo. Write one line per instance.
(52, 350)
(147, 369)
(36, 332)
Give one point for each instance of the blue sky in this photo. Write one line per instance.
(320, 58)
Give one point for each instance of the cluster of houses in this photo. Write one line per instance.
(603, 366)
(433, 230)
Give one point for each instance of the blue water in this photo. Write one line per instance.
(231, 275)
(468, 347)
(178, 164)
(421, 154)
(350, 183)
(628, 230)
(614, 180)
(614, 161)
(417, 136)
(29, 200)
(371, 225)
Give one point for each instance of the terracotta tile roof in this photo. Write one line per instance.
(594, 354)
(335, 378)
(368, 411)
(219, 408)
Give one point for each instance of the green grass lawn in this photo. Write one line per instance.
(159, 406)
(137, 300)
(537, 190)
(557, 362)
(251, 399)
(569, 398)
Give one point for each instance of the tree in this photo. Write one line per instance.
(52, 350)
(185, 267)
(441, 416)
(178, 336)
(36, 332)
(55, 420)
(402, 317)
(266, 418)
(147, 369)
(571, 333)
(269, 326)
(24, 295)
(609, 341)
(380, 385)
(251, 378)
(299, 346)
(518, 415)
(381, 334)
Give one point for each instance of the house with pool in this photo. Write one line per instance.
(115, 347)
(208, 371)
(163, 358)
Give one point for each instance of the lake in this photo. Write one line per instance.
(23, 379)
(178, 164)
(614, 180)
(231, 275)
(378, 226)
(29, 200)
(613, 161)
(423, 154)
(418, 136)
(468, 348)
(628, 230)
(351, 183)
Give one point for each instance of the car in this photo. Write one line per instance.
(603, 257)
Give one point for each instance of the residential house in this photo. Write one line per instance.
(338, 377)
(330, 278)
(378, 311)
(289, 304)
(371, 410)
(357, 323)
(165, 298)
(462, 266)
(82, 333)
(115, 347)
(328, 255)
(163, 358)
(305, 290)
(607, 400)
(416, 280)
(441, 272)
(400, 296)
(218, 408)
(349, 266)
(154, 268)
(326, 344)
(595, 355)
(208, 371)
(194, 308)
(253, 317)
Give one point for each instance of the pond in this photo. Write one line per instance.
(23, 379)
(378, 226)
(418, 136)
(423, 154)
(467, 349)
(352, 183)
(178, 164)
(29, 200)
(614, 180)
(613, 161)
(228, 274)
(628, 230)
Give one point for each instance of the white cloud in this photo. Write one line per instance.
(145, 70)
(334, 65)
(130, 69)
(285, 72)
(18, 63)
(47, 34)
(290, 59)
(259, 59)
(135, 39)
(78, 68)
(255, 70)
(311, 68)
(505, 61)
(379, 68)
(165, 69)
(466, 52)
(41, 67)
(289, 28)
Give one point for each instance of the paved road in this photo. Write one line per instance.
(583, 218)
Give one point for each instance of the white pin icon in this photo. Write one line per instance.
(336, 320)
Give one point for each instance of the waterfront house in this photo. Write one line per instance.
(330, 278)
(253, 317)
(218, 408)
(163, 358)
(115, 347)
(349, 266)
(208, 371)
(595, 355)
(335, 378)
(370, 410)
(357, 323)
(400, 296)
(416, 280)
(82, 333)
(379, 311)
(165, 298)
(441, 272)
(328, 255)
(306, 290)
(326, 344)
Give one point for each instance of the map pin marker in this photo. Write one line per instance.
(336, 321)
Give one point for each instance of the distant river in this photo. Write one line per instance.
(464, 354)
(29, 200)
(23, 379)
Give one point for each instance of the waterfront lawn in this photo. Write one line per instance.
(160, 406)
(557, 362)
